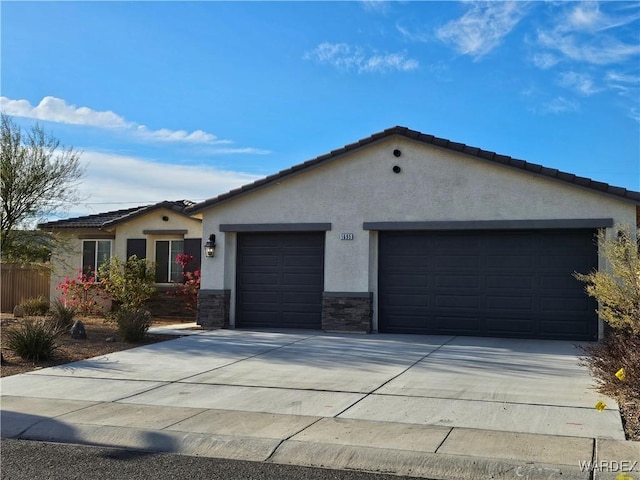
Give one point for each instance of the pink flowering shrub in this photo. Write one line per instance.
(188, 290)
(84, 294)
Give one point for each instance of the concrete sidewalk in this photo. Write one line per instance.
(435, 407)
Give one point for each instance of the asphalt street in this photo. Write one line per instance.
(25, 460)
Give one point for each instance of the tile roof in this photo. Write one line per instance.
(622, 193)
(106, 219)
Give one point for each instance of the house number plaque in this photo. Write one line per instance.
(346, 236)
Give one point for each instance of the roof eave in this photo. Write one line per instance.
(566, 178)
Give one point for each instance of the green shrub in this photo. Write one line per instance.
(33, 339)
(129, 284)
(35, 306)
(133, 324)
(62, 314)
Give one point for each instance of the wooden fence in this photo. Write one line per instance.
(22, 282)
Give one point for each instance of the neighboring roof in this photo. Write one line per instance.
(107, 219)
(622, 193)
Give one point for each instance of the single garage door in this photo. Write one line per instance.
(280, 280)
(488, 283)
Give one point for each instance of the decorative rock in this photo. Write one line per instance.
(110, 339)
(78, 331)
(18, 312)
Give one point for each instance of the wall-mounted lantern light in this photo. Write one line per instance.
(210, 246)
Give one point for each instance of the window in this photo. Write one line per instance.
(167, 270)
(94, 254)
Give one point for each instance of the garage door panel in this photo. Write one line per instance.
(457, 325)
(260, 260)
(507, 242)
(448, 261)
(398, 262)
(456, 281)
(257, 318)
(511, 283)
(303, 298)
(457, 301)
(260, 297)
(510, 261)
(559, 282)
(509, 303)
(452, 242)
(564, 304)
(263, 279)
(301, 261)
(399, 323)
(280, 280)
(566, 328)
(400, 300)
(258, 241)
(401, 281)
(576, 262)
(511, 326)
(298, 319)
(301, 280)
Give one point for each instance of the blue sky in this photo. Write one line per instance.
(172, 100)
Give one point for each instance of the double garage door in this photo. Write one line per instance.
(489, 283)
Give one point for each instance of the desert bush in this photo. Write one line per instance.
(130, 285)
(62, 314)
(618, 350)
(33, 339)
(615, 361)
(133, 324)
(35, 306)
(617, 288)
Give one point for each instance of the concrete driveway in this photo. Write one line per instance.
(453, 408)
(524, 386)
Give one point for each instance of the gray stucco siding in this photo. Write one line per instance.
(434, 185)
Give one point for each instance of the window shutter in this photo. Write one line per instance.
(193, 247)
(137, 247)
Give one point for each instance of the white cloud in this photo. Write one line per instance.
(378, 6)
(561, 105)
(483, 27)
(52, 109)
(414, 36)
(581, 33)
(580, 82)
(114, 182)
(587, 16)
(166, 135)
(613, 76)
(545, 60)
(349, 57)
(602, 50)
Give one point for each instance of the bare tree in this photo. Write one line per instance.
(39, 177)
